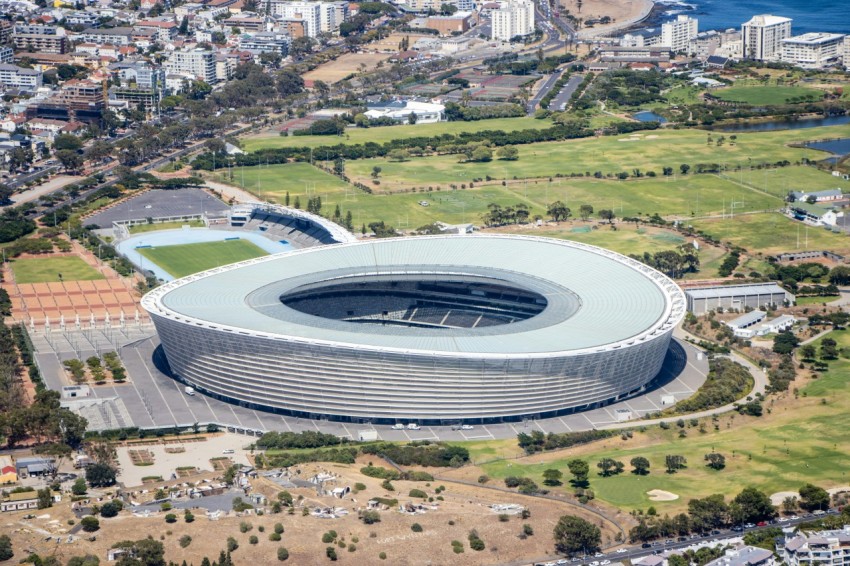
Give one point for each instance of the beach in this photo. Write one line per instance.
(623, 14)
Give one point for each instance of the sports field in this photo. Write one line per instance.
(768, 95)
(773, 233)
(272, 182)
(386, 133)
(49, 269)
(185, 259)
(782, 180)
(647, 151)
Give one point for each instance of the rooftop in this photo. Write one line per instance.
(814, 38)
(729, 290)
(747, 319)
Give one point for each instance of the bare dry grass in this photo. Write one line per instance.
(336, 70)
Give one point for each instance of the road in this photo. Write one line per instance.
(563, 97)
(544, 90)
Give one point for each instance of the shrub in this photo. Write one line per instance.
(282, 554)
(245, 526)
(418, 493)
(527, 530)
(278, 528)
(253, 539)
(360, 486)
(504, 518)
(188, 516)
(382, 555)
(331, 553)
(110, 509)
(185, 541)
(274, 537)
(171, 518)
(261, 528)
(387, 485)
(90, 524)
(232, 544)
(351, 548)
(416, 528)
(457, 547)
(483, 479)
(371, 517)
(328, 537)
(475, 542)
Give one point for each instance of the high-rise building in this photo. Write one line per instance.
(762, 37)
(309, 12)
(199, 63)
(677, 33)
(514, 18)
(813, 50)
(845, 58)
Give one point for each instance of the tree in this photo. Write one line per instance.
(90, 524)
(552, 477)
(411, 118)
(585, 211)
(282, 554)
(301, 46)
(684, 168)
(640, 465)
(708, 513)
(507, 153)
(674, 463)
(808, 352)
(785, 342)
(481, 154)
(608, 215)
(110, 508)
(755, 505)
(70, 160)
(100, 475)
(789, 504)
(87, 560)
(370, 517)
(67, 141)
(716, 461)
(609, 467)
(839, 275)
(6, 193)
(45, 498)
(574, 535)
(828, 349)
(813, 497)
(398, 155)
(5, 548)
(580, 471)
(289, 82)
(558, 211)
(376, 172)
(79, 487)
(184, 26)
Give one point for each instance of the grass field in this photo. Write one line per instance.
(784, 179)
(386, 133)
(768, 95)
(609, 154)
(185, 259)
(141, 228)
(47, 270)
(798, 441)
(274, 181)
(773, 233)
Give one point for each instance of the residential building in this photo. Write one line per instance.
(400, 111)
(199, 63)
(5, 31)
(514, 18)
(332, 14)
(700, 300)
(79, 18)
(632, 40)
(742, 555)
(617, 54)
(762, 37)
(810, 549)
(140, 74)
(309, 12)
(678, 33)
(114, 36)
(250, 24)
(813, 50)
(7, 55)
(845, 57)
(265, 42)
(19, 501)
(12, 76)
(295, 27)
(165, 30)
(41, 42)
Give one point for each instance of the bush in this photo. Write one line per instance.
(416, 528)
(278, 528)
(274, 537)
(371, 517)
(245, 526)
(331, 553)
(185, 541)
(475, 542)
(282, 554)
(382, 555)
(253, 539)
(457, 547)
(387, 485)
(188, 516)
(328, 537)
(527, 530)
(418, 493)
(232, 544)
(359, 486)
(171, 518)
(90, 524)
(351, 548)
(504, 518)
(110, 509)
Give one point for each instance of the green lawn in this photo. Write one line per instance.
(140, 228)
(48, 269)
(387, 133)
(185, 259)
(782, 180)
(647, 151)
(773, 233)
(272, 182)
(803, 301)
(768, 95)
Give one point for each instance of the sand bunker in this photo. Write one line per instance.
(778, 497)
(661, 495)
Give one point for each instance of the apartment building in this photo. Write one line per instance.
(512, 19)
(265, 42)
(762, 37)
(332, 14)
(845, 57)
(813, 50)
(40, 39)
(309, 12)
(678, 33)
(7, 55)
(12, 76)
(199, 63)
(810, 549)
(112, 36)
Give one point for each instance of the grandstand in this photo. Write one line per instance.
(298, 228)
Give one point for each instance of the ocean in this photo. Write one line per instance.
(808, 15)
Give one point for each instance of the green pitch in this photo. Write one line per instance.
(769, 95)
(48, 269)
(186, 259)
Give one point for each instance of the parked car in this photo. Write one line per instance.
(397, 426)
(413, 426)
(466, 427)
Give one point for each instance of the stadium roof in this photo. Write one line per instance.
(597, 299)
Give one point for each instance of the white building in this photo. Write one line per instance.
(309, 12)
(745, 556)
(677, 34)
(762, 37)
(825, 547)
(265, 42)
(514, 18)
(199, 63)
(813, 50)
(331, 15)
(742, 326)
(12, 76)
(845, 57)
(400, 110)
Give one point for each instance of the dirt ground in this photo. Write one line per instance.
(337, 70)
(465, 507)
(622, 13)
(391, 43)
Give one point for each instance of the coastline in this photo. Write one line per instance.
(646, 9)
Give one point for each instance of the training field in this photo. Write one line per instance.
(773, 233)
(272, 182)
(185, 259)
(768, 95)
(781, 181)
(48, 269)
(384, 134)
(647, 151)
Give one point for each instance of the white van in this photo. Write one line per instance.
(189, 390)
(413, 426)
(397, 426)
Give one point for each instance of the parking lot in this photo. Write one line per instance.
(153, 399)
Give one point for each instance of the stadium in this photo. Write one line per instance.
(436, 330)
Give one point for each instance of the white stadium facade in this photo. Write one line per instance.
(436, 329)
